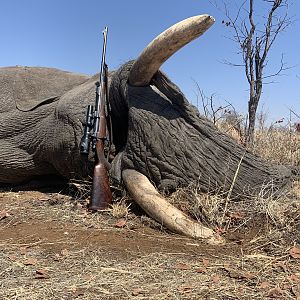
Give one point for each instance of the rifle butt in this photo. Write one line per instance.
(101, 197)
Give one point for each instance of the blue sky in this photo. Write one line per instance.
(67, 35)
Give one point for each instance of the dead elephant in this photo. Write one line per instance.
(159, 136)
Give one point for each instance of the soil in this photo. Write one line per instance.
(52, 248)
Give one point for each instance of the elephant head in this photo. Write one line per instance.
(164, 137)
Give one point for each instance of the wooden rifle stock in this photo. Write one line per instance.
(101, 196)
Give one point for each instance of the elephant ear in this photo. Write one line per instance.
(31, 87)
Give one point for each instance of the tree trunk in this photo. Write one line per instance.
(252, 109)
(254, 97)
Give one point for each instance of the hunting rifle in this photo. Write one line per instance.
(96, 133)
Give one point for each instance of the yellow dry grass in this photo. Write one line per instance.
(279, 146)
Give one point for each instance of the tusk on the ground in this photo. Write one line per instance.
(165, 45)
(156, 206)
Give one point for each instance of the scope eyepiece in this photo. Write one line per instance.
(85, 145)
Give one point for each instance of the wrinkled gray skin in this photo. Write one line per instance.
(40, 137)
(159, 133)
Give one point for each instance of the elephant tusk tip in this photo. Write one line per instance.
(165, 45)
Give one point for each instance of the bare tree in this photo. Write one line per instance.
(255, 41)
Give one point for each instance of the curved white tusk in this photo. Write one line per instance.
(165, 45)
(156, 206)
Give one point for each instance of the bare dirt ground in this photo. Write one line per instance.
(52, 248)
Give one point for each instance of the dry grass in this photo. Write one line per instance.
(120, 209)
(156, 276)
(278, 145)
(84, 256)
(211, 208)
